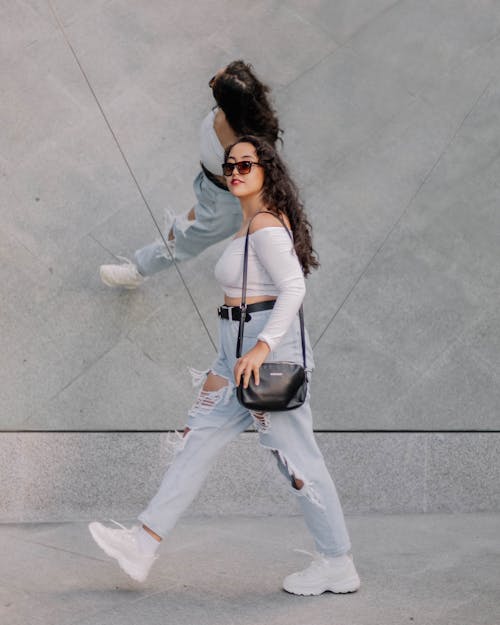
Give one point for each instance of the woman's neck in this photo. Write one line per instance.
(251, 206)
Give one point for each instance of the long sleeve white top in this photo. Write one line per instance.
(273, 269)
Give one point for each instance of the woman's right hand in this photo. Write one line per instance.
(250, 363)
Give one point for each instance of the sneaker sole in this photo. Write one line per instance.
(113, 553)
(347, 586)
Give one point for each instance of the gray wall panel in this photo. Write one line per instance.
(390, 111)
(52, 476)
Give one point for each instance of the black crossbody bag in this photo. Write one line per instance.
(283, 384)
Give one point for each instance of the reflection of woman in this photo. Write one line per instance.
(258, 178)
(242, 107)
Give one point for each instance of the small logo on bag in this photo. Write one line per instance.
(275, 373)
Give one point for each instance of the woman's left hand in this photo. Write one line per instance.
(250, 363)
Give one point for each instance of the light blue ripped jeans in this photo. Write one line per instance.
(218, 216)
(217, 418)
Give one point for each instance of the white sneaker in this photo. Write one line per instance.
(122, 545)
(336, 574)
(126, 275)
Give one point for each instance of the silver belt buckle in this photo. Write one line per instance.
(229, 311)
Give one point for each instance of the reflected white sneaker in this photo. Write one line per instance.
(336, 574)
(122, 544)
(125, 275)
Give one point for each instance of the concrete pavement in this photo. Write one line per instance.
(416, 569)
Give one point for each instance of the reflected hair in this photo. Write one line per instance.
(245, 102)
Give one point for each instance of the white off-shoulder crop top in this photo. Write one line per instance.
(273, 269)
(211, 149)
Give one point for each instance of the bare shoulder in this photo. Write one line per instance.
(267, 220)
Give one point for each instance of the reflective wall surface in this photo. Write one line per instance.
(392, 130)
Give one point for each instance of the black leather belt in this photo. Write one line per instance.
(233, 313)
(213, 178)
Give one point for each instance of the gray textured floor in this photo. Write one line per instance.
(415, 569)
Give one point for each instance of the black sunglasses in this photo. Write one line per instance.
(243, 167)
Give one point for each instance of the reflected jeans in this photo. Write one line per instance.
(218, 216)
(217, 418)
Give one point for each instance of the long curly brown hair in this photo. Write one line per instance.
(281, 197)
(244, 100)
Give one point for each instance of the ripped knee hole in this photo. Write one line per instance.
(261, 416)
(214, 383)
(214, 390)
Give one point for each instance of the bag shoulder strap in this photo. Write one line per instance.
(245, 257)
(278, 217)
(243, 305)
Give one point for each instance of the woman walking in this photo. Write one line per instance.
(242, 107)
(270, 206)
